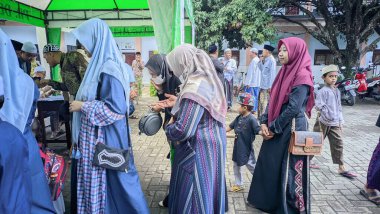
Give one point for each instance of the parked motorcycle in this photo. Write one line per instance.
(347, 91)
(367, 87)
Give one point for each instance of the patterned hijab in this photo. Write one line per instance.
(296, 72)
(201, 83)
(96, 37)
(18, 86)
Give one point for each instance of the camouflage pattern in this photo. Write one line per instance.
(73, 67)
(246, 99)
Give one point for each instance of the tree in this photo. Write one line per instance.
(352, 21)
(237, 21)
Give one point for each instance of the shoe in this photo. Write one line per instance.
(161, 204)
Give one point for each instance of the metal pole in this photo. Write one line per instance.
(182, 22)
(193, 33)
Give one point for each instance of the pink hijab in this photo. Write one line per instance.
(296, 72)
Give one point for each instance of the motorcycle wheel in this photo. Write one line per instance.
(350, 100)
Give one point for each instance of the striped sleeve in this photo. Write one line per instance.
(187, 122)
(99, 114)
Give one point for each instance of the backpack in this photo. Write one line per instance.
(55, 169)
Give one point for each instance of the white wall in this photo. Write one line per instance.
(148, 44)
(21, 33)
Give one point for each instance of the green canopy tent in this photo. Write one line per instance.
(166, 20)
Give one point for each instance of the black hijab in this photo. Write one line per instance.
(158, 64)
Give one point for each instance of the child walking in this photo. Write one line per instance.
(331, 118)
(246, 128)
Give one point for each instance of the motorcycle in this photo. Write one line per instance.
(367, 87)
(347, 91)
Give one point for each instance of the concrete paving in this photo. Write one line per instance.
(331, 193)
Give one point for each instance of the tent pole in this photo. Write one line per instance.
(182, 23)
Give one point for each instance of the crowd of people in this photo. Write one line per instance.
(195, 91)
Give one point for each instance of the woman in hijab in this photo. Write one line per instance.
(99, 117)
(280, 183)
(371, 190)
(197, 183)
(165, 83)
(21, 95)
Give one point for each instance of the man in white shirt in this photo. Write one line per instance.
(268, 73)
(230, 68)
(253, 78)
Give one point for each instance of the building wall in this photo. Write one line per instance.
(21, 33)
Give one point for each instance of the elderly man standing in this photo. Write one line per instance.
(268, 73)
(253, 78)
(230, 68)
(27, 53)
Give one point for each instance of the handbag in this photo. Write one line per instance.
(112, 158)
(150, 123)
(305, 142)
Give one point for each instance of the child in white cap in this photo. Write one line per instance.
(328, 103)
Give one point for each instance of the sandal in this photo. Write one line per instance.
(237, 188)
(348, 174)
(133, 117)
(373, 197)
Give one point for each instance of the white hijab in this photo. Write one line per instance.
(201, 82)
(18, 86)
(96, 37)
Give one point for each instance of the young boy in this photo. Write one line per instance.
(331, 118)
(246, 128)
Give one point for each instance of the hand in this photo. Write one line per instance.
(156, 107)
(266, 133)
(75, 106)
(168, 103)
(133, 94)
(157, 87)
(264, 130)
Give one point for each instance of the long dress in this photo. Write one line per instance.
(280, 183)
(197, 183)
(41, 197)
(105, 118)
(15, 180)
(373, 175)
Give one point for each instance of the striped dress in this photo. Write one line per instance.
(197, 182)
(92, 184)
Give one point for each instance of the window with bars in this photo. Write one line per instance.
(376, 57)
(324, 57)
(292, 11)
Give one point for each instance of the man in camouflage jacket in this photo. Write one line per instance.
(73, 66)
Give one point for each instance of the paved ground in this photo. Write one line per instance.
(331, 193)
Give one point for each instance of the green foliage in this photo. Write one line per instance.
(240, 22)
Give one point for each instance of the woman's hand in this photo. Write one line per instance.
(266, 133)
(168, 103)
(75, 106)
(156, 107)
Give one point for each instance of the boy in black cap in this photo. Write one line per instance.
(219, 67)
(268, 73)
